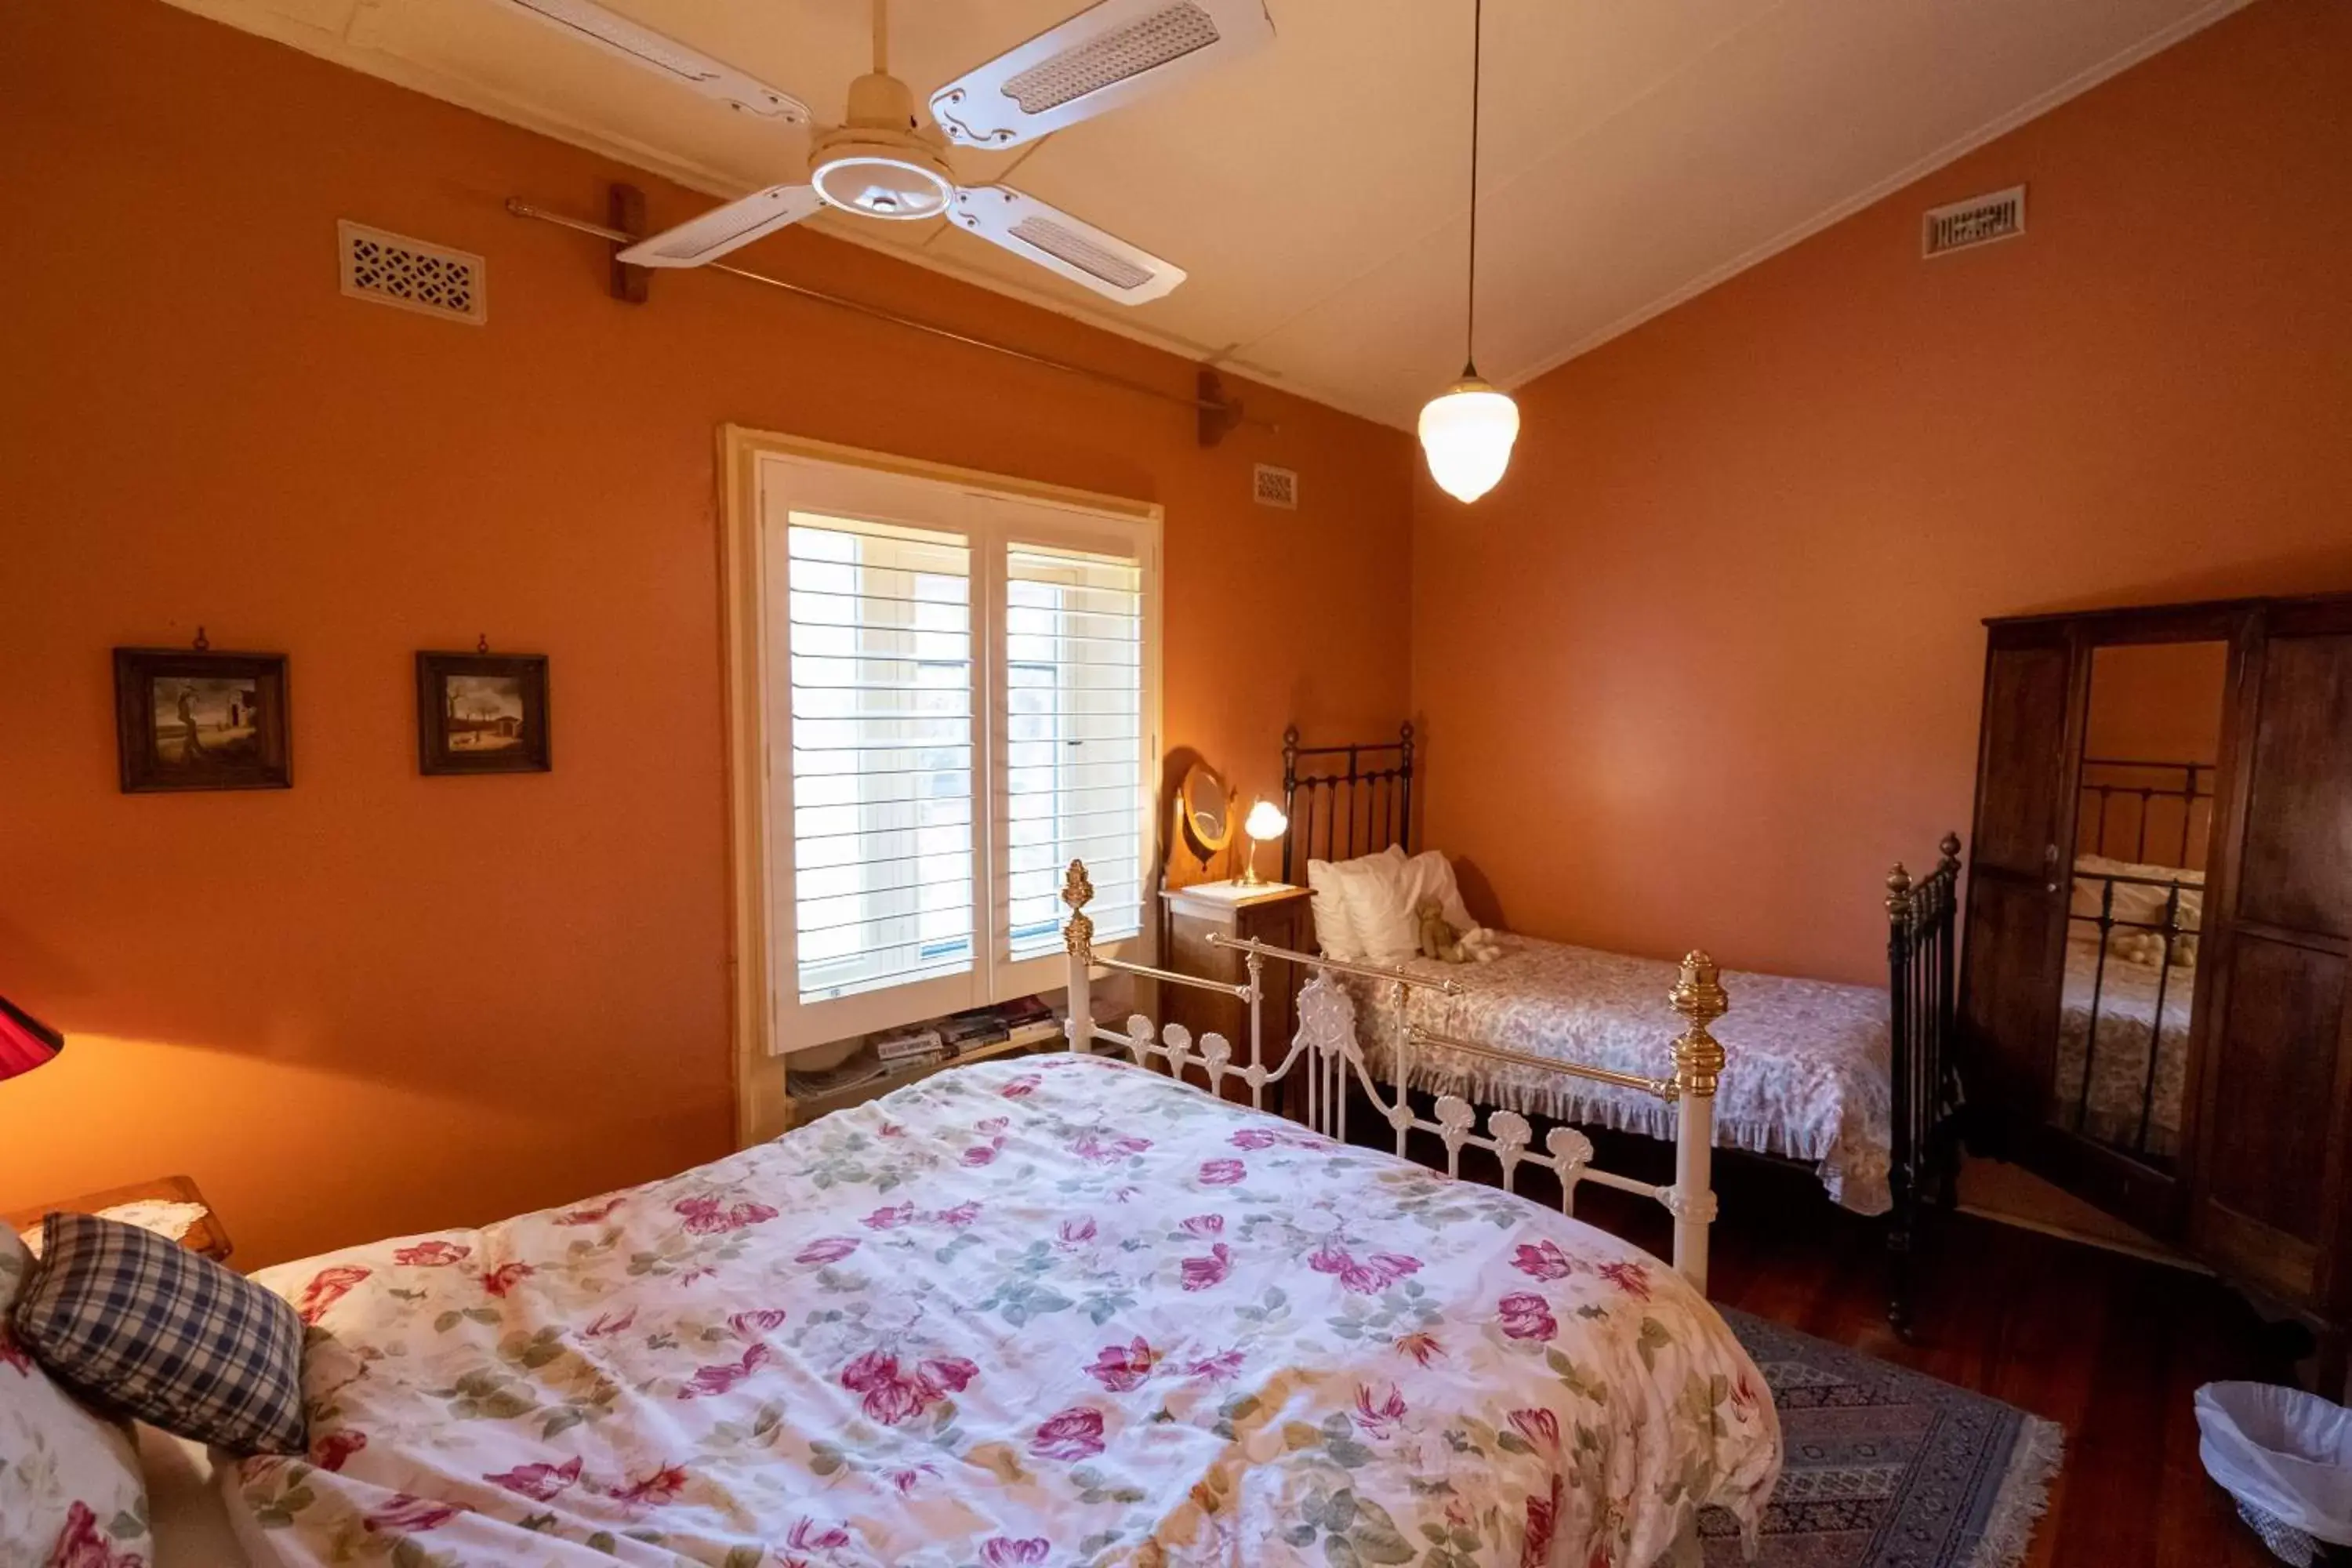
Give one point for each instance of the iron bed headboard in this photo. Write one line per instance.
(2184, 786)
(1360, 793)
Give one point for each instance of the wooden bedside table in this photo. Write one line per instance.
(1274, 914)
(205, 1234)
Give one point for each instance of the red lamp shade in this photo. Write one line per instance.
(25, 1041)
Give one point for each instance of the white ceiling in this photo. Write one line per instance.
(1636, 152)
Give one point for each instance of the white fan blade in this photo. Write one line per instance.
(723, 229)
(682, 63)
(1094, 62)
(1051, 238)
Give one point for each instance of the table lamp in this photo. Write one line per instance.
(1266, 821)
(25, 1041)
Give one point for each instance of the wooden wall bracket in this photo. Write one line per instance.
(625, 210)
(1218, 413)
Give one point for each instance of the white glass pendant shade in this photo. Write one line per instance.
(1467, 435)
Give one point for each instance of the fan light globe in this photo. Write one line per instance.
(876, 163)
(875, 184)
(1467, 435)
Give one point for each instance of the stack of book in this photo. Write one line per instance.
(896, 1053)
(916, 1045)
(1029, 1013)
(1026, 1020)
(974, 1030)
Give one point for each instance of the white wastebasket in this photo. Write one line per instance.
(2286, 1458)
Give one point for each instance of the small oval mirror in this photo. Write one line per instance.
(1208, 808)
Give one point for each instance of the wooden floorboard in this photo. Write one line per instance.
(2110, 1347)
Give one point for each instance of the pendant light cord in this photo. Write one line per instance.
(1478, 51)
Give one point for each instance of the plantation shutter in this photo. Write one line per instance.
(1073, 716)
(882, 750)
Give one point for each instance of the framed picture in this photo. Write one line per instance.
(481, 713)
(188, 719)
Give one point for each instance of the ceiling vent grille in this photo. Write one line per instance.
(1277, 486)
(1980, 220)
(1142, 44)
(392, 269)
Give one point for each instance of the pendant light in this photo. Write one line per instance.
(1466, 434)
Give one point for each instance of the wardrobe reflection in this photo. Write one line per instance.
(2142, 825)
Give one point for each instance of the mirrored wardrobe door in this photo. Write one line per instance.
(2141, 847)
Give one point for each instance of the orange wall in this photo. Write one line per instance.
(1709, 658)
(381, 1002)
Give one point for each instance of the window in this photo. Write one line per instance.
(1074, 771)
(881, 709)
(956, 695)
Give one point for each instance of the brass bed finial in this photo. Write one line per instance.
(1078, 891)
(1699, 998)
(1898, 894)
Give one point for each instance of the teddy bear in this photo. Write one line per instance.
(1438, 941)
(1437, 938)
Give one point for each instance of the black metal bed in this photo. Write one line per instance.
(1332, 780)
(2100, 1021)
(2134, 910)
(2098, 823)
(1356, 798)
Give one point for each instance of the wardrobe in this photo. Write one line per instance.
(2153, 984)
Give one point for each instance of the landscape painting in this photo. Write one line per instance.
(481, 713)
(200, 721)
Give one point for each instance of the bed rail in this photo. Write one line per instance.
(1922, 963)
(1327, 1045)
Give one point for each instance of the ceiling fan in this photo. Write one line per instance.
(880, 162)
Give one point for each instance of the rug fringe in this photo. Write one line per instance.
(2024, 1494)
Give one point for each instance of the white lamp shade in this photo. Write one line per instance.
(1467, 436)
(1266, 821)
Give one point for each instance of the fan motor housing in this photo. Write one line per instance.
(877, 164)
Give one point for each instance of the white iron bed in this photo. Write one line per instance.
(1854, 1082)
(868, 1341)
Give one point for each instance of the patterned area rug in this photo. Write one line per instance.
(1888, 1468)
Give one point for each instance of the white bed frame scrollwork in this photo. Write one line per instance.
(1328, 1043)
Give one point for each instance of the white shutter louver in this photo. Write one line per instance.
(881, 662)
(1074, 740)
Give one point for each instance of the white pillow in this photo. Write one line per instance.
(1343, 891)
(70, 1489)
(1390, 927)
(1334, 937)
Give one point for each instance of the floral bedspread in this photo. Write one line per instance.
(1806, 1072)
(1053, 1311)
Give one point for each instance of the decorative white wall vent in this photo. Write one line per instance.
(392, 269)
(1276, 486)
(1980, 220)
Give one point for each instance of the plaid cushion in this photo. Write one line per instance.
(133, 1320)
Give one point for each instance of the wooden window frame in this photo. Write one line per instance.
(1092, 520)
